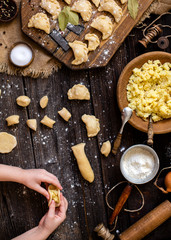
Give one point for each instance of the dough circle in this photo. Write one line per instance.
(7, 142)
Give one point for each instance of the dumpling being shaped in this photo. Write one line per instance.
(83, 7)
(93, 41)
(96, 2)
(51, 6)
(40, 21)
(80, 52)
(112, 7)
(123, 1)
(54, 194)
(104, 25)
(68, 1)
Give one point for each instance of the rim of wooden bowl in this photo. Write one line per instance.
(10, 19)
(160, 127)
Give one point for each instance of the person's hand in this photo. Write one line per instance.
(33, 178)
(54, 217)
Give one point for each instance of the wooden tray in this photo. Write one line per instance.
(98, 58)
(160, 127)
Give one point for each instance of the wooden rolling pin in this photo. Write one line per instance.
(141, 228)
(148, 223)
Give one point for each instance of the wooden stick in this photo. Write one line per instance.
(124, 196)
(148, 223)
(150, 132)
(117, 143)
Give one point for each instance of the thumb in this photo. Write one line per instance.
(51, 212)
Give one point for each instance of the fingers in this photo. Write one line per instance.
(51, 212)
(42, 191)
(61, 212)
(51, 179)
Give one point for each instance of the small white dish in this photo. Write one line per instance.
(153, 172)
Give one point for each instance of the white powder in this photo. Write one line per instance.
(138, 163)
(21, 55)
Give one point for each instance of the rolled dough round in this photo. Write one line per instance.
(7, 142)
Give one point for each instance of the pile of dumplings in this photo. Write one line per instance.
(101, 22)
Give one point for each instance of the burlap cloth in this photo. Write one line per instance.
(44, 64)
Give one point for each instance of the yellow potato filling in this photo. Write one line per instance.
(149, 90)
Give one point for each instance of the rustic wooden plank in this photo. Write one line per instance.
(98, 58)
(17, 201)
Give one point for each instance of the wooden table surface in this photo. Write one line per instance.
(22, 208)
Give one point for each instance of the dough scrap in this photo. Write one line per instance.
(93, 41)
(47, 121)
(54, 194)
(65, 114)
(23, 101)
(106, 148)
(32, 123)
(40, 21)
(83, 7)
(44, 101)
(92, 125)
(112, 7)
(13, 119)
(51, 6)
(83, 162)
(80, 52)
(78, 92)
(103, 24)
(7, 142)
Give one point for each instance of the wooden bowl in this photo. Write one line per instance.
(12, 4)
(160, 127)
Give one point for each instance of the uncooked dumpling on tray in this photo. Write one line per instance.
(93, 41)
(83, 7)
(40, 21)
(104, 25)
(112, 7)
(54, 194)
(51, 6)
(80, 52)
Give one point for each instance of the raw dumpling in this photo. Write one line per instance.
(112, 7)
(68, 1)
(79, 92)
(92, 125)
(84, 8)
(93, 41)
(54, 194)
(52, 7)
(40, 21)
(80, 52)
(96, 2)
(104, 25)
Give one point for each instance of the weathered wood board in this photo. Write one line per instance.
(98, 58)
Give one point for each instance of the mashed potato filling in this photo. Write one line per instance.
(149, 90)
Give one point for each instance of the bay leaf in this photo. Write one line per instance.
(67, 16)
(63, 20)
(133, 8)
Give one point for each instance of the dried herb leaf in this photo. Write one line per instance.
(67, 16)
(63, 21)
(73, 17)
(133, 8)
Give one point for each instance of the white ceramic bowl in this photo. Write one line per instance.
(151, 175)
